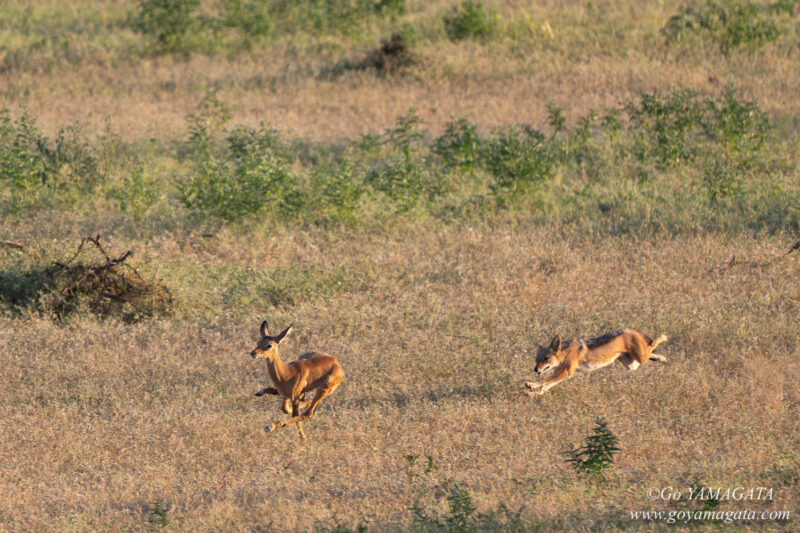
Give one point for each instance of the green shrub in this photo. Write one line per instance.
(674, 128)
(37, 172)
(169, 25)
(332, 16)
(459, 145)
(404, 181)
(469, 20)
(136, 194)
(339, 190)
(667, 126)
(597, 455)
(159, 515)
(728, 23)
(720, 180)
(462, 517)
(233, 189)
(741, 128)
(517, 158)
(249, 18)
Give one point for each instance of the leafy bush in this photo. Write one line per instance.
(37, 172)
(462, 516)
(249, 18)
(517, 158)
(168, 24)
(674, 128)
(728, 23)
(668, 125)
(597, 455)
(339, 190)
(469, 20)
(460, 144)
(246, 174)
(235, 188)
(330, 16)
(136, 194)
(720, 180)
(741, 128)
(404, 181)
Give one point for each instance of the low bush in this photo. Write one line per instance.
(470, 20)
(728, 23)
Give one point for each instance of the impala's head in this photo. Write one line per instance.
(267, 347)
(548, 357)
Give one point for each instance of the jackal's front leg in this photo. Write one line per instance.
(541, 388)
(267, 390)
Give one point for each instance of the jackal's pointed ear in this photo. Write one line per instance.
(555, 344)
(283, 333)
(264, 329)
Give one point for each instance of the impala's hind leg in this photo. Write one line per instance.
(296, 412)
(326, 388)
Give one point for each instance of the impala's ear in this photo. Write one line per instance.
(555, 344)
(285, 332)
(264, 330)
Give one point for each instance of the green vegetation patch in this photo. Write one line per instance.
(729, 24)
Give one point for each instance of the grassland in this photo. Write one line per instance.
(564, 167)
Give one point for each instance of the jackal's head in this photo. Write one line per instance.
(548, 357)
(267, 347)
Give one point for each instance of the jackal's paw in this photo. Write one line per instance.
(270, 427)
(261, 392)
(533, 385)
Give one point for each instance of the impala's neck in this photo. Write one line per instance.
(279, 371)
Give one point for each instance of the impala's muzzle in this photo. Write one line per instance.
(253, 354)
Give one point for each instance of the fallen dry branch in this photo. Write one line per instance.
(91, 280)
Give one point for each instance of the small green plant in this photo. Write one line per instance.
(740, 127)
(517, 158)
(728, 23)
(459, 145)
(720, 180)
(469, 20)
(597, 455)
(37, 172)
(461, 516)
(233, 189)
(159, 515)
(340, 190)
(248, 19)
(136, 194)
(669, 124)
(169, 25)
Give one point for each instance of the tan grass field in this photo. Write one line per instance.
(106, 425)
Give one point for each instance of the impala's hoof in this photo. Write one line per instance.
(270, 427)
(533, 385)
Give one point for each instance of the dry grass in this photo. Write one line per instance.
(595, 57)
(102, 419)
(107, 425)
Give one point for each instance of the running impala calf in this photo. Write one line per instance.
(313, 371)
